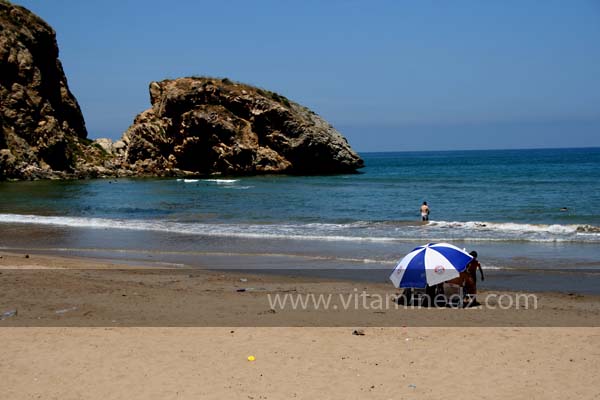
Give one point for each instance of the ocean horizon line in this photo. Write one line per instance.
(477, 150)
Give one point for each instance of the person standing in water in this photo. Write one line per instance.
(424, 212)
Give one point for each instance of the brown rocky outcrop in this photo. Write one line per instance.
(215, 126)
(42, 130)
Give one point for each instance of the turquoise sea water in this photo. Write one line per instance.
(506, 204)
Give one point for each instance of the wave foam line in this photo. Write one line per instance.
(217, 230)
(369, 232)
(519, 228)
(221, 181)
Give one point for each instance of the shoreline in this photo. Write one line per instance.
(524, 272)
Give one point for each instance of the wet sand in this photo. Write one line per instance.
(93, 329)
(510, 266)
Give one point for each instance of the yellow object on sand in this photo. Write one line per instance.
(251, 358)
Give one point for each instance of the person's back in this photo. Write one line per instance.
(424, 211)
(473, 266)
(468, 279)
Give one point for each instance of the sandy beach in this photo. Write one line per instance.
(93, 329)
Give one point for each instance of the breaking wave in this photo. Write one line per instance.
(217, 181)
(386, 231)
(519, 228)
(221, 181)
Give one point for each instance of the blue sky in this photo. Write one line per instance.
(390, 75)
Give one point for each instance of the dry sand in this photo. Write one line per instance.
(63, 356)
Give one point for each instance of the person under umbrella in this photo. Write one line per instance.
(468, 279)
(429, 265)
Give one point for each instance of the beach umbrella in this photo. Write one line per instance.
(430, 264)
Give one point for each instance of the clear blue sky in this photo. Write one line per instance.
(390, 75)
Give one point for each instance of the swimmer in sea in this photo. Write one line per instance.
(424, 212)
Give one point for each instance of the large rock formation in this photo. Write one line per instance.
(215, 126)
(42, 131)
(195, 125)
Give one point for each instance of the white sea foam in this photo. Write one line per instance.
(220, 230)
(222, 181)
(190, 180)
(508, 227)
(494, 267)
(342, 232)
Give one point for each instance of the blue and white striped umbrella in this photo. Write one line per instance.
(429, 265)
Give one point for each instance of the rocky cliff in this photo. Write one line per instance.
(215, 126)
(42, 131)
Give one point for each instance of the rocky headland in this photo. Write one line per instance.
(215, 126)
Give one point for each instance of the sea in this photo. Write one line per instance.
(532, 215)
